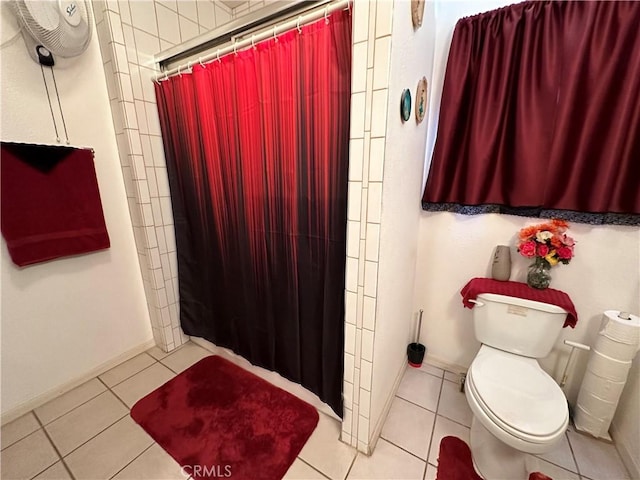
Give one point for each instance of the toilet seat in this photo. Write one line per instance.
(516, 397)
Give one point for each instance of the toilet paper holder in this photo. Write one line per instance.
(573, 346)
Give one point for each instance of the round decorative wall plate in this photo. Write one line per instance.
(405, 105)
(417, 12)
(421, 100)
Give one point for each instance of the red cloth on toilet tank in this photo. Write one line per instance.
(476, 286)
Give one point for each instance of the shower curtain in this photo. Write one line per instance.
(257, 152)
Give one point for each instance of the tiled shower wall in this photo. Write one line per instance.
(369, 92)
(130, 34)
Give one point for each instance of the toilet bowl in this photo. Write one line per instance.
(518, 410)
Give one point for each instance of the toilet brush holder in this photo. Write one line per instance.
(415, 350)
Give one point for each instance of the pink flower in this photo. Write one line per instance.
(568, 241)
(543, 250)
(565, 253)
(528, 249)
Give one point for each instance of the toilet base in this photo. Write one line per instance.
(494, 459)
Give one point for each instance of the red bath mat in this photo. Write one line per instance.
(455, 463)
(219, 421)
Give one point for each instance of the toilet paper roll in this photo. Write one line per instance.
(585, 422)
(621, 330)
(602, 387)
(615, 349)
(607, 367)
(596, 406)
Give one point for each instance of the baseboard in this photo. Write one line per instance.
(377, 431)
(43, 398)
(629, 457)
(443, 364)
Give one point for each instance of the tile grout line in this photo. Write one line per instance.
(35, 414)
(353, 462)
(573, 455)
(405, 450)
(64, 464)
(311, 466)
(132, 375)
(433, 429)
(134, 459)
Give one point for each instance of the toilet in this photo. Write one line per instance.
(518, 409)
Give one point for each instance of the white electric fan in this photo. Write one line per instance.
(54, 27)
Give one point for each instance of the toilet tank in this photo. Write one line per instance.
(517, 325)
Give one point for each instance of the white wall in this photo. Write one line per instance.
(404, 152)
(64, 318)
(605, 274)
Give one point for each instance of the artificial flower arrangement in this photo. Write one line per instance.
(548, 244)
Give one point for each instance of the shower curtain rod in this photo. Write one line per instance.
(263, 35)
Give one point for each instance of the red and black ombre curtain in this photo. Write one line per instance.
(257, 152)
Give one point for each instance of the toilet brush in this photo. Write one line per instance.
(415, 350)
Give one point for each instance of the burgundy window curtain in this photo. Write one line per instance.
(540, 114)
(257, 147)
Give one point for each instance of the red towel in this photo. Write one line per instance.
(50, 203)
(520, 290)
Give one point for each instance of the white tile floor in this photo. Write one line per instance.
(87, 433)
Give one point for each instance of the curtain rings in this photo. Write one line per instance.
(326, 15)
(166, 75)
(188, 69)
(275, 37)
(218, 56)
(253, 41)
(200, 62)
(179, 74)
(235, 47)
(298, 25)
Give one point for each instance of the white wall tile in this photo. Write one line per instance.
(167, 214)
(346, 421)
(222, 15)
(188, 8)
(360, 20)
(133, 137)
(365, 374)
(368, 96)
(172, 4)
(348, 367)
(372, 28)
(146, 80)
(143, 16)
(170, 236)
(143, 191)
(359, 67)
(125, 13)
(351, 274)
(359, 307)
(153, 119)
(138, 170)
(364, 402)
(168, 26)
(163, 181)
(354, 201)
(120, 56)
(373, 241)
(157, 211)
(130, 115)
(162, 242)
(376, 159)
(382, 63)
(356, 152)
(350, 307)
(374, 207)
(158, 152)
(379, 113)
(206, 15)
(147, 46)
(370, 279)
(136, 85)
(151, 182)
(367, 345)
(361, 265)
(350, 338)
(369, 314)
(384, 18)
(188, 29)
(353, 238)
(357, 115)
(115, 26)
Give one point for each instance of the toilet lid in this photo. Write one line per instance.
(519, 392)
